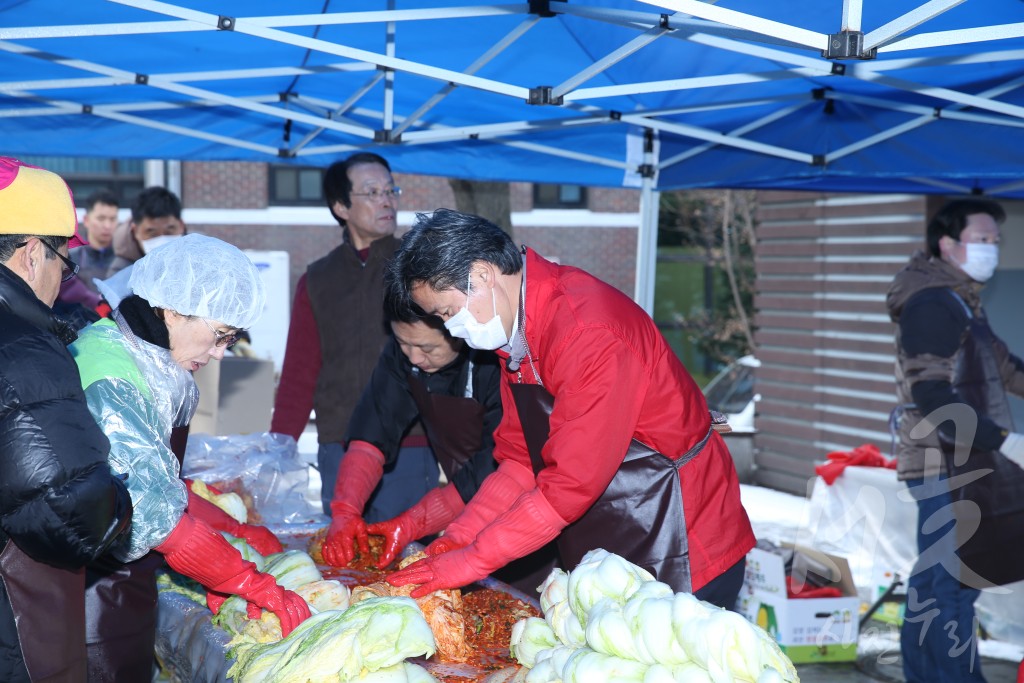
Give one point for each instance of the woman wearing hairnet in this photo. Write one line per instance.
(191, 297)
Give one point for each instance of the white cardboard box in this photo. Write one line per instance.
(808, 629)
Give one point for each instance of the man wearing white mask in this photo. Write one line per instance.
(605, 440)
(156, 219)
(948, 358)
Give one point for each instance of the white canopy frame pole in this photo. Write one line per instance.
(647, 235)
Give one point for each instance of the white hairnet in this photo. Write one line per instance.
(202, 276)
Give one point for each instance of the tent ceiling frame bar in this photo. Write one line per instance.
(738, 132)
(190, 91)
(942, 184)
(389, 76)
(104, 112)
(609, 60)
(952, 112)
(907, 22)
(714, 136)
(505, 128)
(681, 26)
(496, 49)
(339, 110)
(926, 117)
(853, 14)
(242, 26)
(191, 76)
(279, 21)
(694, 83)
(1006, 187)
(946, 94)
(809, 39)
(963, 60)
(980, 34)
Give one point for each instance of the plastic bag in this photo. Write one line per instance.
(264, 469)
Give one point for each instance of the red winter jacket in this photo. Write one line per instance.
(615, 378)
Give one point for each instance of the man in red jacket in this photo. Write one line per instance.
(606, 441)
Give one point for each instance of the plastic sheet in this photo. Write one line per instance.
(264, 468)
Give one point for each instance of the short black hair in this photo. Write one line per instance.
(951, 219)
(439, 250)
(155, 202)
(9, 244)
(101, 196)
(337, 184)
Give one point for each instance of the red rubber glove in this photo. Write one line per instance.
(360, 472)
(528, 525)
(260, 538)
(500, 489)
(197, 551)
(430, 515)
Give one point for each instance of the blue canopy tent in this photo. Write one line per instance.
(861, 96)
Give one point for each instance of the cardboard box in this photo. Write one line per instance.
(809, 630)
(236, 396)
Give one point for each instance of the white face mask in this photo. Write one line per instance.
(486, 336)
(154, 242)
(980, 261)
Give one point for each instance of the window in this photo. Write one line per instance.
(559, 196)
(295, 186)
(123, 177)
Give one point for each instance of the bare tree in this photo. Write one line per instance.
(488, 199)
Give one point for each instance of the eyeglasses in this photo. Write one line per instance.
(70, 267)
(376, 195)
(227, 339)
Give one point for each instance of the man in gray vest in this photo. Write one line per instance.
(336, 335)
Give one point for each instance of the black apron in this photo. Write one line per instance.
(453, 423)
(986, 488)
(50, 614)
(121, 605)
(639, 516)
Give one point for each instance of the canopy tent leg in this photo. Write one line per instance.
(647, 235)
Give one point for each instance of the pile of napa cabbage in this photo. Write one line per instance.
(609, 620)
(367, 642)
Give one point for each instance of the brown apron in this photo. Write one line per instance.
(986, 487)
(453, 423)
(639, 516)
(49, 609)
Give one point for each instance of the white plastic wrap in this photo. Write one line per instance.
(264, 467)
(143, 395)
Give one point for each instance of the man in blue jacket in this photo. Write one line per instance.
(60, 505)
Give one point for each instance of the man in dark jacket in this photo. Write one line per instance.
(949, 362)
(422, 374)
(60, 505)
(337, 331)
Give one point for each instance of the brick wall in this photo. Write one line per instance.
(607, 253)
(224, 185)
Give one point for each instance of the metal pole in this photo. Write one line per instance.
(647, 235)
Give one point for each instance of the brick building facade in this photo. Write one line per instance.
(231, 200)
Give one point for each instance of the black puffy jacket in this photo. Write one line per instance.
(59, 502)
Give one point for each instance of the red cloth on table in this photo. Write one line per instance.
(809, 591)
(867, 455)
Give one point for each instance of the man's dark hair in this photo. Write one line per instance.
(439, 250)
(155, 202)
(951, 220)
(101, 196)
(9, 244)
(337, 184)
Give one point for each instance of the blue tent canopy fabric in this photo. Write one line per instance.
(913, 96)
